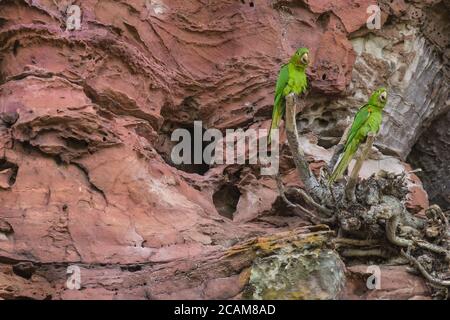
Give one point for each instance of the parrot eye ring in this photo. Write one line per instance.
(383, 96)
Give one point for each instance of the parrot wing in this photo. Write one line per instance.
(283, 78)
(360, 119)
(351, 145)
(277, 113)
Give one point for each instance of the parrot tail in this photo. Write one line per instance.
(277, 113)
(345, 160)
(275, 123)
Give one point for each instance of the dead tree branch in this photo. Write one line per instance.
(311, 183)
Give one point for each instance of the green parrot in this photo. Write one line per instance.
(367, 119)
(291, 79)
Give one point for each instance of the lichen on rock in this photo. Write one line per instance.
(297, 273)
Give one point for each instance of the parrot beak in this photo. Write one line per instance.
(305, 58)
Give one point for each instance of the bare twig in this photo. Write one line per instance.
(351, 184)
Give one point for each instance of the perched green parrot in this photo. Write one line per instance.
(291, 79)
(367, 119)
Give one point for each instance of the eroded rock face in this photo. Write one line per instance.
(432, 154)
(85, 121)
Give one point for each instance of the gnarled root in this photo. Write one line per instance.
(424, 272)
(298, 208)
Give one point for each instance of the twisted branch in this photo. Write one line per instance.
(311, 183)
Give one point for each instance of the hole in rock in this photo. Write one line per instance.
(24, 269)
(9, 118)
(327, 115)
(315, 107)
(431, 153)
(165, 145)
(251, 3)
(302, 124)
(131, 268)
(3, 22)
(323, 20)
(5, 227)
(8, 172)
(16, 47)
(76, 144)
(328, 142)
(321, 123)
(226, 200)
